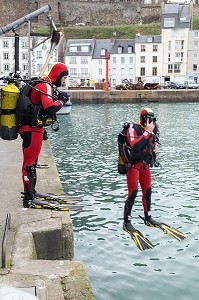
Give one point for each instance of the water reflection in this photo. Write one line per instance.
(85, 151)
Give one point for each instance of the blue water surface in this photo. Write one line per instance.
(85, 150)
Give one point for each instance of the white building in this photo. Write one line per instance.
(98, 70)
(31, 57)
(192, 72)
(78, 58)
(122, 61)
(175, 32)
(7, 55)
(148, 52)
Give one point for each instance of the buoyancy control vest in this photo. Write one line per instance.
(127, 156)
(9, 97)
(31, 114)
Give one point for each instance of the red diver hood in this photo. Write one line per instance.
(56, 73)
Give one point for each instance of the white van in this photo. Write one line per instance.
(190, 84)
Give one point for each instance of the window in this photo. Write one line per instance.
(114, 60)
(25, 67)
(142, 48)
(195, 34)
(131, 60)
(179, 45)
(169, 46)
(170, 68)
(100, 71)
(176, 68)
(155, 48)
(5, 44)
(39, 67)
(119, 49)
(73, 71)
(142, 59)
(130, 49)
(84, 71)
(72, 60)
(195, 56)
(154, 71)
(179, 56)
(122, 60)
(24, 55)
(100, 61)
(195, 67)
(24, 44)
(155, 59)
(122, 71)
(114, 81)
(79, 48)
(6, 67)
(73, 48)
(169, 56)
(84, 60)
(169, 22)
(85, 49)
(5, 55)
(142, 71)
(195, 44)
(39, 54)
(103, 52)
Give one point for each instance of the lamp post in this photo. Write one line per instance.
(107, 70)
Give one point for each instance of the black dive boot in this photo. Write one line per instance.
(127, 226)
(27, 200)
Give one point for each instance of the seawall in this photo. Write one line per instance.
(133, 96)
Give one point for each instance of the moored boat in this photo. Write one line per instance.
(66, 109)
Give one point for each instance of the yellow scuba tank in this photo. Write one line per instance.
(9, 96)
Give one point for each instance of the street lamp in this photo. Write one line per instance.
(107, 70)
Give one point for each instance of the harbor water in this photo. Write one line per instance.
(85, 150)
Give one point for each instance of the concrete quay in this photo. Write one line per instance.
(39, 244)
(134, 96)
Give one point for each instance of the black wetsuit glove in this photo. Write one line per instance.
(63, 96)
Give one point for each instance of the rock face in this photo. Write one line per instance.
(88, 12)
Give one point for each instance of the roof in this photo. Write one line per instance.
(148, 39)
(123, 43)
(80, 43)
(101, 44)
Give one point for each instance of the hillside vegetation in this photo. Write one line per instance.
(107, 32)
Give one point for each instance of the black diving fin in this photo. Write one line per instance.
(166, 228)
(141, 242)
(63, 198)
(54, 205)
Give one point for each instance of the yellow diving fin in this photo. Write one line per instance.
(141, 242)
(166, 228)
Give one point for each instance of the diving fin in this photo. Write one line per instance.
(166, 228)
(36, 203)
(141, 242)
(51, 196)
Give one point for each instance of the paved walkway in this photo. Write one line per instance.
(11, 183)
(52, 279)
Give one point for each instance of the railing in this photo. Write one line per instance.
(7, 227)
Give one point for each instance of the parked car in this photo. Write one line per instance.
(173, 85)
(169, 85)
(179, 85)
(190, 84)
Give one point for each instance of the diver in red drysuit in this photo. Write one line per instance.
(33, 136)
(140, 172)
